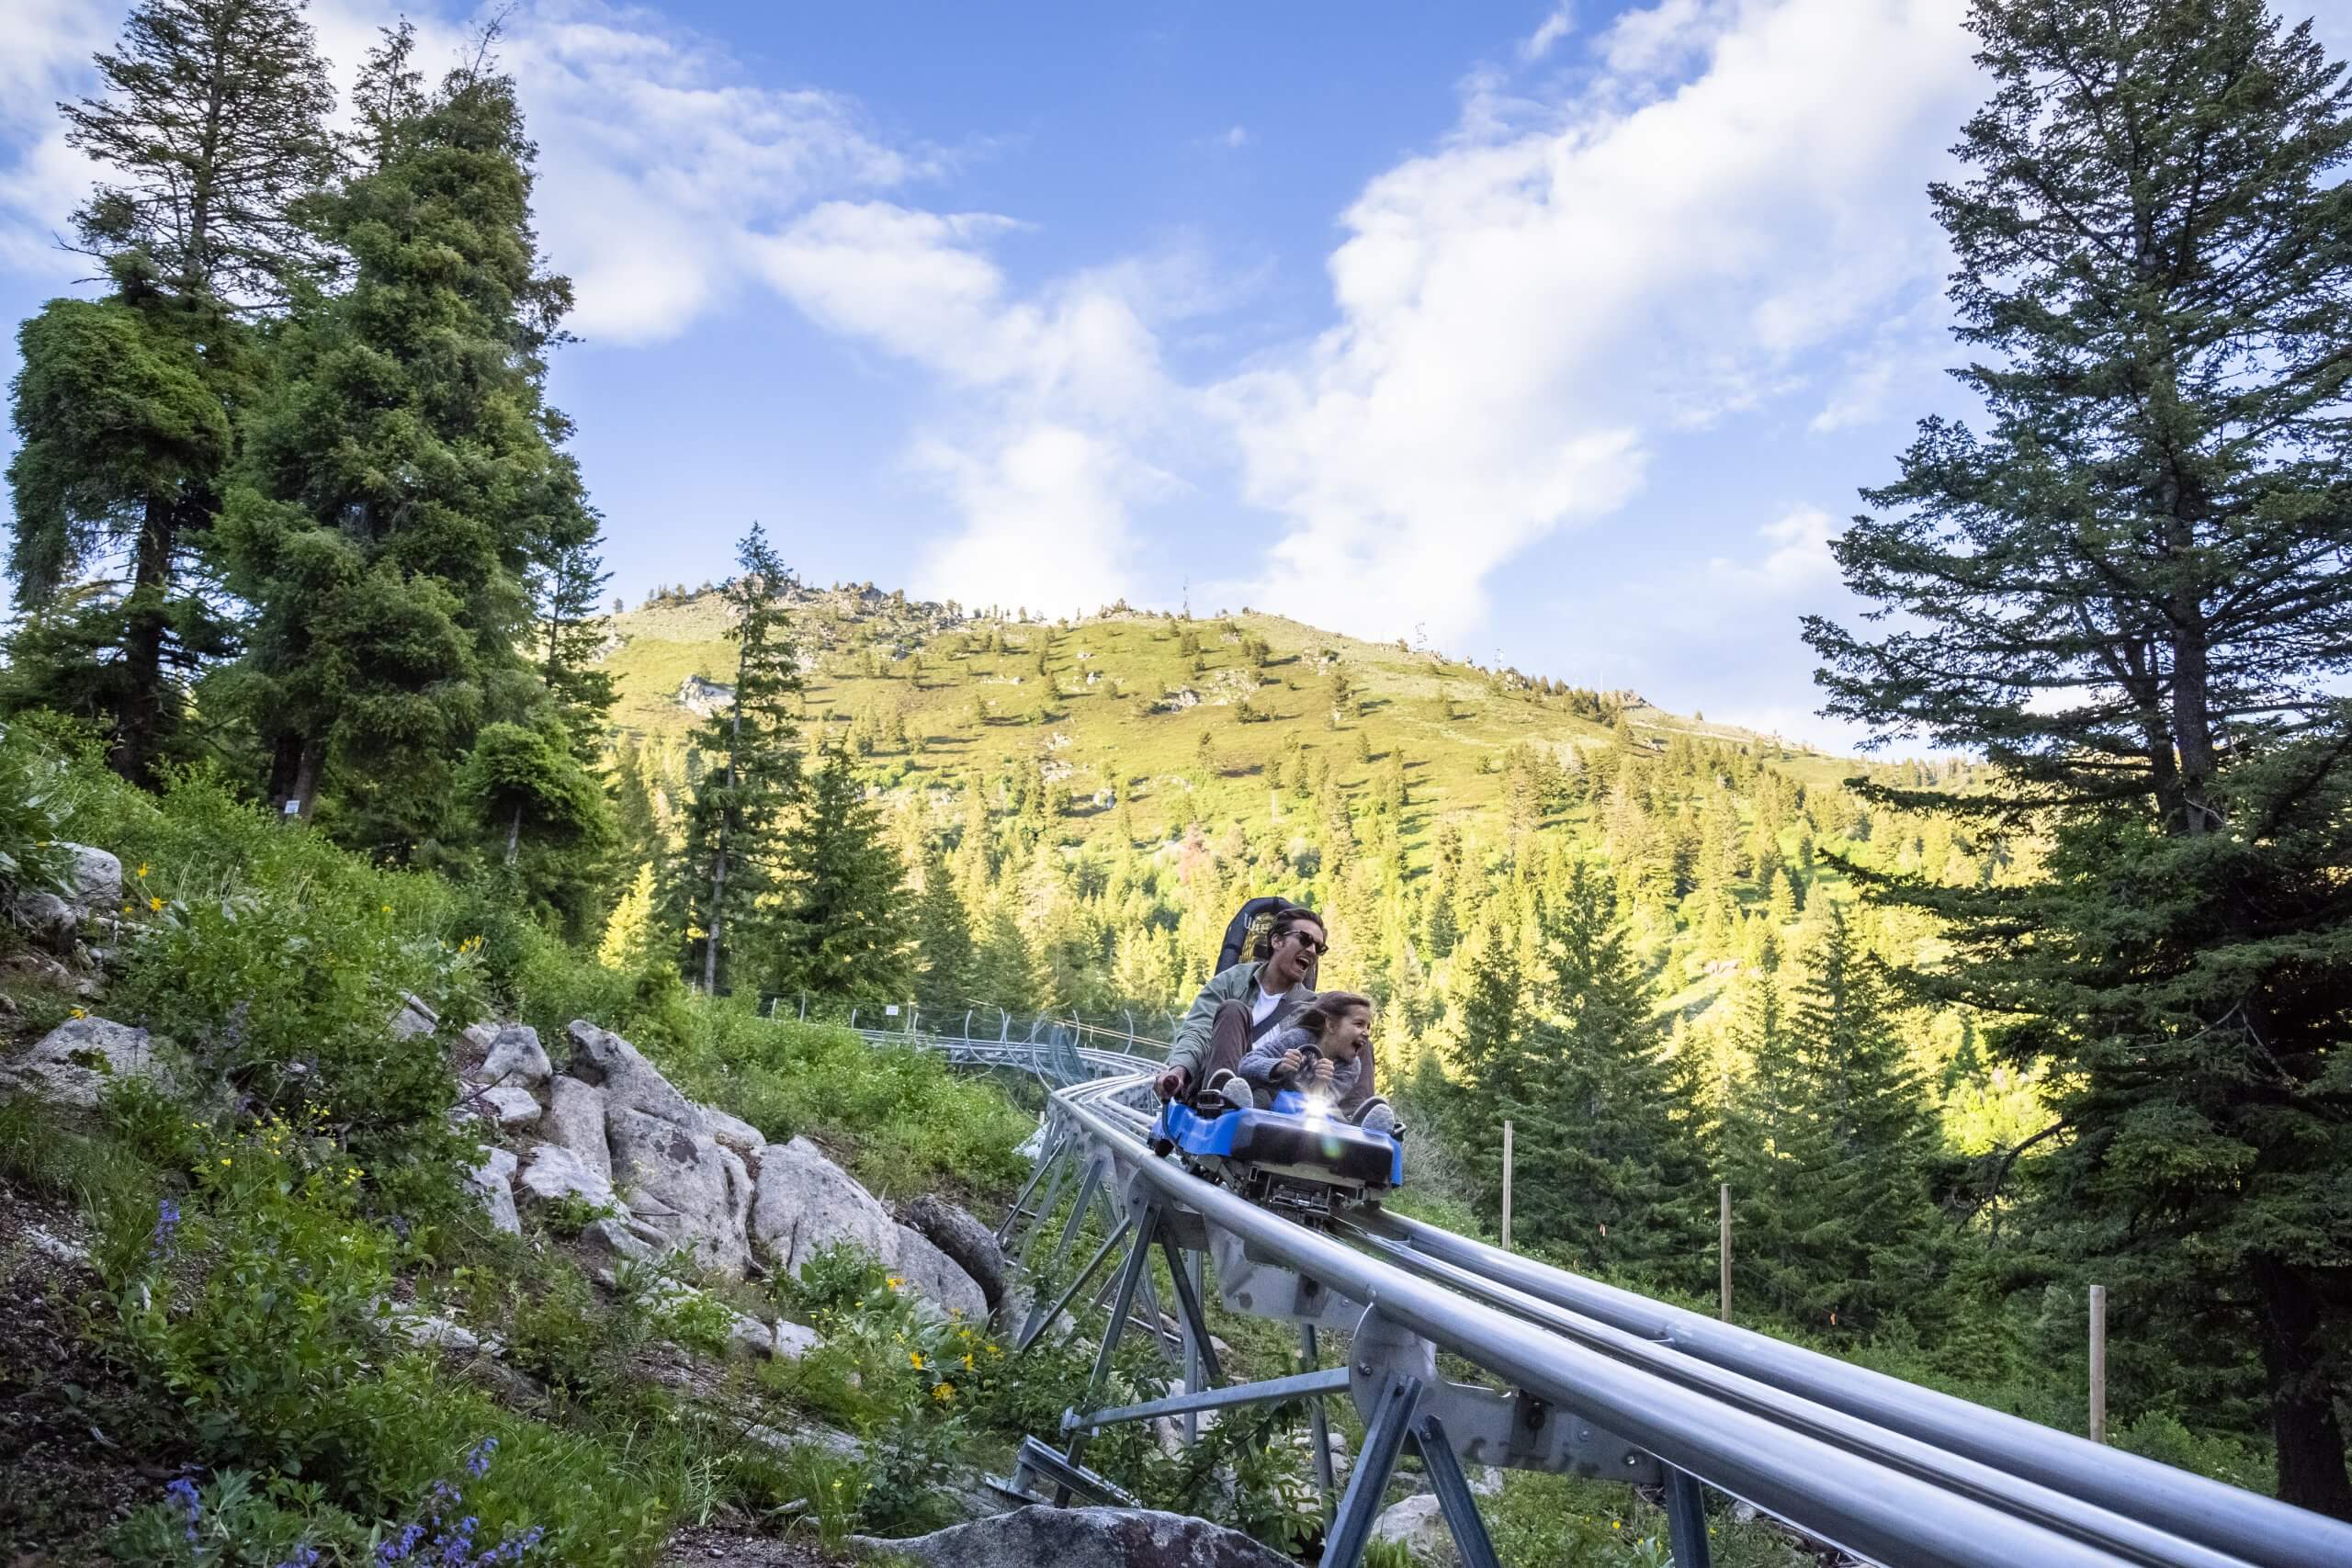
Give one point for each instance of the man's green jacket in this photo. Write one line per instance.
(1238, 983)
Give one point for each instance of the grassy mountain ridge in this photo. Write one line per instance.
(1122, 702)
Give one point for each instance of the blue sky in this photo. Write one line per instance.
(1564, 334)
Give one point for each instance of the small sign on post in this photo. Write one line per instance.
(1722, 1250)
(1505, 1186)
(892, 1011)
(2098, 1363)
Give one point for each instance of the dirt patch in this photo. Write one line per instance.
(83, 1450)
(703, 1544)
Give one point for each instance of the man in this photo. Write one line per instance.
(1246, 1003)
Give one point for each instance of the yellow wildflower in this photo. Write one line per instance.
(894, 1282)
(153, 904)
(143, 868)
(224, 1159)
(967, 1360)
(78, 1012)
(914, 1359)
(943, 1391)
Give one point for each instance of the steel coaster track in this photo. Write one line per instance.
(1883, 1469)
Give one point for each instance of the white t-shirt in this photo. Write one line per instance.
(1267, 1003)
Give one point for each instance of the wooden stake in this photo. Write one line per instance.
(1722, 1250)
(1505, 1186)
(2098, 1363)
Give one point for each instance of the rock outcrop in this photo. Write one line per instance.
(611, 1131)
(969, 1244)
(804, 1203)
(75, 1062)
(1082, 1537)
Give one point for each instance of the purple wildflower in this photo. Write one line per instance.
(477, 1461)
(167, 1224)
(304, 1557)
(183, 1490)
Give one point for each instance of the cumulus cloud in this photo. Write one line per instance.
(1528, 313)
(48, 58)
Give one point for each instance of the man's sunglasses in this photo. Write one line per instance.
(1317, 948)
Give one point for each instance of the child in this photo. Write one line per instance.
(1336, 1026)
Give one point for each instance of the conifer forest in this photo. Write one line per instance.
(2047, 988)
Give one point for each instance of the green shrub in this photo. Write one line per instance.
(34, 813)
(282, 973)
(231, 1522)
(255, 1310)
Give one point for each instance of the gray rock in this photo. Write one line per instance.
(413, 1018)
(494, 1180)
(551, 1171)
(75, 1062)
(627, 1238)
(932, 1275)
(1082, 1537)
(804, 1203)
(57, 1249)
(575, 1119)
(747, 1336)
(516, 1057)
(93, 882)
(480, 1036)
(970, 1244)
(1418, 1524)
(679, 1181)
(48, 920)
(734, 1133)
(510, 1106)
(425, 1328)
(794, 1340)
(599, 1056)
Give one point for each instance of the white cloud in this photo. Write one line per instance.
(47, 59)
(1236, 137)
(1555, 27)
(1046, 514)
(1795, 565)
(1526, 314)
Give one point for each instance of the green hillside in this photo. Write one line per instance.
(1119, 705)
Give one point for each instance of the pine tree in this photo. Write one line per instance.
(569, 592)
(842, 932)
(548, 811)
(945, 958)
(2129, 594)
(384, 523)
(211, 136)
(631, 939)
(1005, 970)
(1874, 1241)
(1491, 1072)
(750, 767)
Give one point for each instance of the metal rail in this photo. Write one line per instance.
(1886, 1470)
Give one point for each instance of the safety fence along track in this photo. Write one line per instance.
(1593, 1381)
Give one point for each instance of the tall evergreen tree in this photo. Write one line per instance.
(1490, 1077)
(945, 955)
(1611, 1167)
(405, 474)
(210, 131)
(2129, 593)
(750, 766)
(843, 931)
(567, 593)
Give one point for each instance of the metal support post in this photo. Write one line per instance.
(1233, 1396)
(1147, 1229)
(1686, 1519)
(1197, 1350)
(1319, 1427)
(1039, 1317)
(1722, 1253)
(1200, 1355)
(1384, 1438)
(1077, 1213)
(1013, 1216)
(1051, 1201)
(1453, 1496)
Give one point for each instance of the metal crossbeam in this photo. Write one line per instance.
(1232, 1397)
